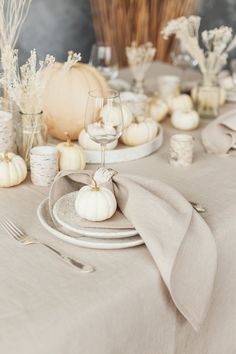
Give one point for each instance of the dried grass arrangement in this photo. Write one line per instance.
(217, 43)
(12, 16)
(137, 20)
(27, 84)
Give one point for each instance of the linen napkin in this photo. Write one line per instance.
(220, 135)
(176, 236)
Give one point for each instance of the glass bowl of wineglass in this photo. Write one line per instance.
(103, 118)
(103, 58)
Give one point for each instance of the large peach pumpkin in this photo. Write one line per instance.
(65, 97)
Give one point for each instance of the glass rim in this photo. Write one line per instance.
(114, 94)
(30, 114)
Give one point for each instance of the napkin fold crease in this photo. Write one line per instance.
(177, 237)
(220, 135)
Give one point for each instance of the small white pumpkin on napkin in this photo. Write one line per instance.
(95, 203)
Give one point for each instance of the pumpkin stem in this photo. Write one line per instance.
(68, 139)
(5, 157)
(95, 188)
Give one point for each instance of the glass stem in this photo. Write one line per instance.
(103, 150)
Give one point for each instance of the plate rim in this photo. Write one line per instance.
(94, 234)
(83, 242)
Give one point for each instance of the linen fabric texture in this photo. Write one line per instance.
(177, 237)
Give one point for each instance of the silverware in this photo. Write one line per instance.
(24, 239)
(198, 207)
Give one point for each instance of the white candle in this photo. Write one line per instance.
(181, 150)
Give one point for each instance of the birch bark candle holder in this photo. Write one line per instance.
(7, 134)
(43, 165)
(181, 150)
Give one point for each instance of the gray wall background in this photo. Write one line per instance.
(56, 26)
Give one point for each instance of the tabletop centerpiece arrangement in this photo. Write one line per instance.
(139, 59)
(218, 43)
(25, 88)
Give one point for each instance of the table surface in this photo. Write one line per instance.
(46, 307)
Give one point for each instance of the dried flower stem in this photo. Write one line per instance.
(218, 42)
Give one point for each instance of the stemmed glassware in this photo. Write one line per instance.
(103, 57)
(103, 118)
(182, 59)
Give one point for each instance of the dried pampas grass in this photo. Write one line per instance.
(120, 22)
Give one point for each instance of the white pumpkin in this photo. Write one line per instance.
(207, 99)
(89, 144)
(136, 102)
(139, 132)
(13, 170)
(110, 114)
(158, 109)
(185, 120)
(71, 155)
(95, 203)
(181, 102)
(65, 97)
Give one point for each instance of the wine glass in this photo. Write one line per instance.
(103, 57)
(103, 118)
(182, 59)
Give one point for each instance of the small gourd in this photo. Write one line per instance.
(181, 102)
(111, 114)
(185, 120)
(89, 144)
(139, 132)
(95, 203)
(71, 155)
(158, 109)
(13, 170)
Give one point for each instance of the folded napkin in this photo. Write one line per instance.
(220, 135)
(178, 239)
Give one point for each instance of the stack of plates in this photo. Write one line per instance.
(69, 227)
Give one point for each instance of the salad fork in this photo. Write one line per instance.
(24, 239)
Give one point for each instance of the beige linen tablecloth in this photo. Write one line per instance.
(47, 307)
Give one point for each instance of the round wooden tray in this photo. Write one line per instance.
(123, 153)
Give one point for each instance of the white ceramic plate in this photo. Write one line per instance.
(47, 223)
(65, 214)
(123, 153)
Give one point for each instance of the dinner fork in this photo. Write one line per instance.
(24, 239)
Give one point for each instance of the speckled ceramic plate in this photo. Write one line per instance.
(66, 216)
(47, 223)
